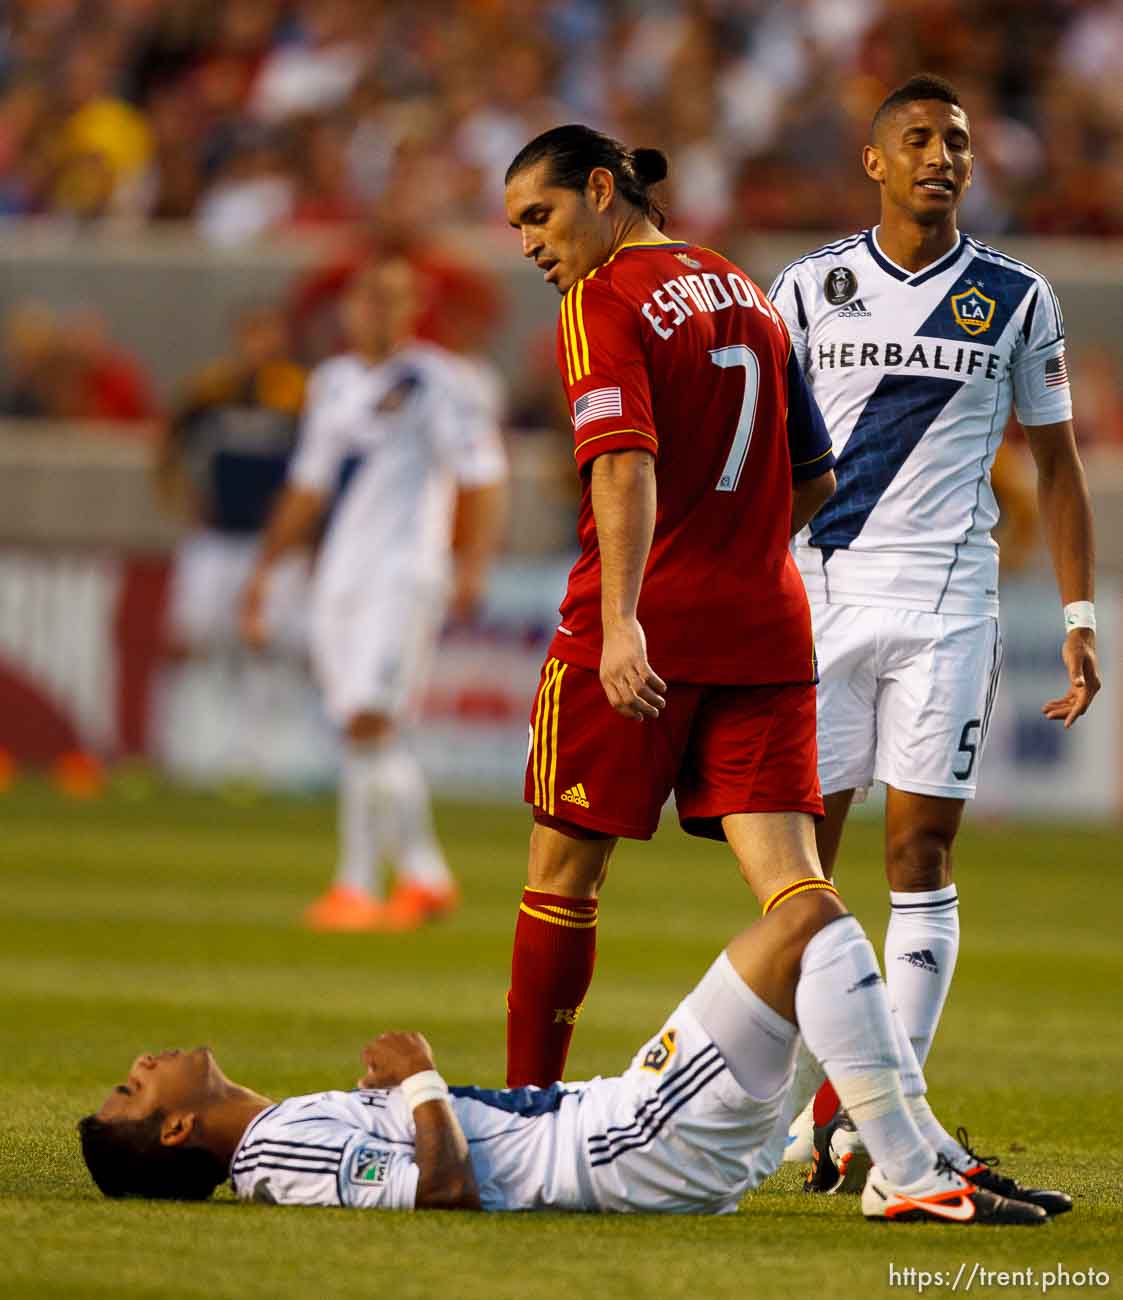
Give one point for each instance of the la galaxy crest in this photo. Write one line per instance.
(973, 310)
(840, 285)
(658, 1056)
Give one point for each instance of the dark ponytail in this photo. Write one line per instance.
(575, 151)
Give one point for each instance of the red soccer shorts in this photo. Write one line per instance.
(721, 749)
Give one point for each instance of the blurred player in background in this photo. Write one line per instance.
(691, 422)
(697, 1119)
(915, 340)
(220, 465)
(396, 441)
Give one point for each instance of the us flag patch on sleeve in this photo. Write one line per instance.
(600, 404)
(1056, 372)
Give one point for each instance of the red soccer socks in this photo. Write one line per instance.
(551, 969)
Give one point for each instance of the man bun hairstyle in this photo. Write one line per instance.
(125, 1157)
(925, 85)
(574, 151)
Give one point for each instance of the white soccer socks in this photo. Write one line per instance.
(363, 808)
(921, 946)
(844, 1017)
(384, 813)
(757, 1043)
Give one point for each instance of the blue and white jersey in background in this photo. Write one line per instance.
(915, 375)
(673, 1134)
(393, 440)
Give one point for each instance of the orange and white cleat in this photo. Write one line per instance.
(944, 1197)
(411, 905)
(344, 909)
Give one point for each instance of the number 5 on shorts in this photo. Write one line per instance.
(739, 355)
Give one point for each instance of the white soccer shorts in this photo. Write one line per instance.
(676, 1134)
(905, 697)
(372, 653)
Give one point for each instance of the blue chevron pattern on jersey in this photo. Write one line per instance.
(900, 411)
(527, 1101)
(981, 282)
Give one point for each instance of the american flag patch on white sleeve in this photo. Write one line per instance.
(600, 404)
(1056, 372)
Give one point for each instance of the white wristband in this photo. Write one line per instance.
(1080, 613)
(426, 1085)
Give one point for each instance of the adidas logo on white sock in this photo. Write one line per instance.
(923, 958)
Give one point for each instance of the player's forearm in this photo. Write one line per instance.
(624, 501)
(481, 517)
(291, 524)
(447, 1180)
(1066, 515)
(808, 498)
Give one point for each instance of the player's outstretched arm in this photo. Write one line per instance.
(447, 1180)
(1066, 513)
(623, 495)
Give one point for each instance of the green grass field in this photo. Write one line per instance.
(133, 925)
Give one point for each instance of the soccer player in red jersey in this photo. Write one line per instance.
(684, 660)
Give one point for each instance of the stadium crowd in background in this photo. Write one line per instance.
(65, 366)
(260, 114)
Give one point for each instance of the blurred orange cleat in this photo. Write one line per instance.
(344, 909)
(9, 769)
(411, 904)
(78, 775)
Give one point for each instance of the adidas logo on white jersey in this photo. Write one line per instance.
(854, 309)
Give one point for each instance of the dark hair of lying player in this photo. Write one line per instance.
(575, 151)
(127, 1158)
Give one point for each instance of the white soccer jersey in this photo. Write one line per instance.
(915, 375)
(392, 441)
(674, 1134)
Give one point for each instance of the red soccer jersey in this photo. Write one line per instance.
(672, 349)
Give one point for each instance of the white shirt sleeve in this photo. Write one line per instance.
(467, 416)
(378, 1175)
(1039, 369)
(787, 297)
(322, 445)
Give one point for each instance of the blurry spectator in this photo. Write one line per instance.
(30, 345)
(106, 382)
(68, 368)
(320, 68)
(104, 143)
(253, 192)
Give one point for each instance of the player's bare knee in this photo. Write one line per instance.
(364, 728)
(798, 920)
(918, 858)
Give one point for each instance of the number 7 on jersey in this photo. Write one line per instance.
(739, 355)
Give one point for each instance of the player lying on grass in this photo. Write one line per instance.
(698, 1118)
